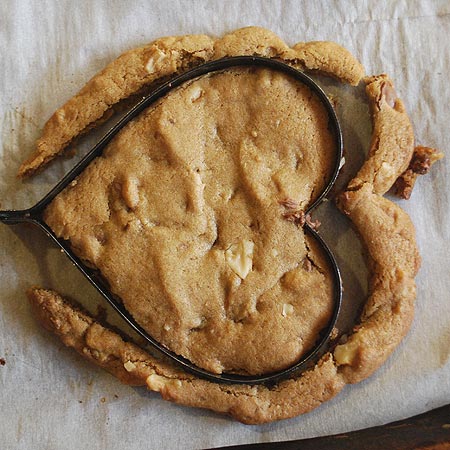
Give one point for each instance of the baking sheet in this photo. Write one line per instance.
(49, 397)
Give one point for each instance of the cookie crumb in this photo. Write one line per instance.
(297, 217)
(2, 362)
(314, 224)
(307, 265)
(103, 400)
(334, 333)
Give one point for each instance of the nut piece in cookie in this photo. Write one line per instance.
(421, 162)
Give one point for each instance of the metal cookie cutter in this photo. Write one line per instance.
(34, 215)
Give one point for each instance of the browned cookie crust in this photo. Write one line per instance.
(168, 56)
(385, 321)
(388, 234)
(131, 365)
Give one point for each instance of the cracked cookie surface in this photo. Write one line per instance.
(182, 216)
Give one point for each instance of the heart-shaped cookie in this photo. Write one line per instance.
(189, 216)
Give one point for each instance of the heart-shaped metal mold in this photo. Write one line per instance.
(34, 215)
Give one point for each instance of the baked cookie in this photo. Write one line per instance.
(143, 67)
(385, 229)
(183, 215)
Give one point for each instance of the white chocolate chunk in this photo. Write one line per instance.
(287, 309)
(196, 94)
(154, 61)
(240, 257)
(387, 169)
(130, 192)
(345, 354)
(129, 366)
(157, 382)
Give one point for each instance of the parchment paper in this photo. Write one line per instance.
(49, 397)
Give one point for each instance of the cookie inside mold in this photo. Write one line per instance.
(183, 215)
